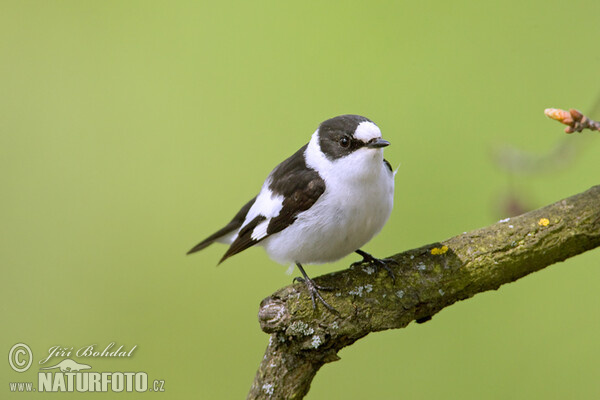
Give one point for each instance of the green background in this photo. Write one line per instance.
(129, 131)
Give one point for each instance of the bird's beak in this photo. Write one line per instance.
(377, 143)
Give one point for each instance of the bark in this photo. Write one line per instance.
(428, 279)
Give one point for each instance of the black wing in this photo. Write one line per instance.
(300, 187)
(244, 238)
(233, 225)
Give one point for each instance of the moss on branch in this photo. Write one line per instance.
(429, 279)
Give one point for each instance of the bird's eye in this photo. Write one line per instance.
(344, 141)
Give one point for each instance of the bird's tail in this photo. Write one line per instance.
(231, 227)
(221, 233)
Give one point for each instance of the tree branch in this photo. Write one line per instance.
(429, 279)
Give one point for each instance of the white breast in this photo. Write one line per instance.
(355, 206)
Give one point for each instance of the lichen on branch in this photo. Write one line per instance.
(428, 279)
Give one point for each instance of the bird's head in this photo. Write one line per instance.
(349, 142)
(346, 134)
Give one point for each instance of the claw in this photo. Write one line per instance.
(313, 283)
(377, 262)
(313, 289)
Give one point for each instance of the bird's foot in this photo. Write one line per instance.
(313, 289)
(377, 263)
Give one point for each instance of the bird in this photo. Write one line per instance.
(324, 202)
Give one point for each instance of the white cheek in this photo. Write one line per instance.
(360, 164)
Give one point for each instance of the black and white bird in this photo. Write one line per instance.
(324, 202)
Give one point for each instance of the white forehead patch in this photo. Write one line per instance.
(366, 131)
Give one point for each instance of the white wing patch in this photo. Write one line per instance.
(261, 230)
(267, 204)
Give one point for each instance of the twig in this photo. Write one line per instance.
(429, 279)
(574, 119)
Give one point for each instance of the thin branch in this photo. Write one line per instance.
(429, 279)
(574, 119)
(518, 161)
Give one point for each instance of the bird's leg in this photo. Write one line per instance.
(313, 289)
(376, 262)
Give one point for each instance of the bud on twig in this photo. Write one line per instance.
(574, 119)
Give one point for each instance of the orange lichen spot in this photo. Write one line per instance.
(543, 222)
(439, 250)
